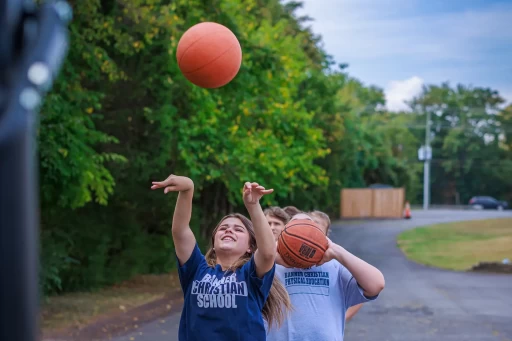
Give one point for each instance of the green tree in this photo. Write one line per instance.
(468, 142)
(123, 114)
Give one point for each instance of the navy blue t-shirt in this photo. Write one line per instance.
(222, 306)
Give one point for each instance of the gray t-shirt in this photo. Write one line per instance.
(320, 296)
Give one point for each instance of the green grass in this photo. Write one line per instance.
(460, 245)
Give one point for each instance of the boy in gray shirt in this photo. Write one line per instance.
(322, 294)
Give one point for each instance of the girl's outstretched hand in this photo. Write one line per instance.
(253, 193)
(174, 183)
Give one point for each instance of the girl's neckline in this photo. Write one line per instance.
(219, 267)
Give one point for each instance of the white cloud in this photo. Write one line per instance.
(397, 92)
(507, 95)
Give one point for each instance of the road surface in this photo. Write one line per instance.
(418, 303)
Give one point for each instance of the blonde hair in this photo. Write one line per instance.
(323, 216)
(278, 304)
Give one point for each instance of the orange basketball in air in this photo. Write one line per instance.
(209, 55)
(302, 243)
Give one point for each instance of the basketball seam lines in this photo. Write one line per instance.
(306, 240)
(279, 250)
(223, 53)
(192, 44)
(290, 250)
(299, 256)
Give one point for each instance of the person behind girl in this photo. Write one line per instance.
(229, 291)
(277, 218)
(324, 221)
(322, 294)
(291, 210)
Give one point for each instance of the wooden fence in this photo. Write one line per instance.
(372, 203)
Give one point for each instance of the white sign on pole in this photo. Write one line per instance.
(425, 153)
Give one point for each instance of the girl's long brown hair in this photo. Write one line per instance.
(278, 305)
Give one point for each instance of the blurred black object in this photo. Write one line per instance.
(487, 203)
(33, 44)
(379, 186)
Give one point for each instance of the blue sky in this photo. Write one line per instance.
(401, 44)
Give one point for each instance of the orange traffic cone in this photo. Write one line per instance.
(407, 211)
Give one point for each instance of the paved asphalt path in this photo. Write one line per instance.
(418, 303)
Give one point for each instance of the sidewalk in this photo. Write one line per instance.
(110, 323)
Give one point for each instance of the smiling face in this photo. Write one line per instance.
(232, 236)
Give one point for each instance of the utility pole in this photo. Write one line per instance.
(426, 164)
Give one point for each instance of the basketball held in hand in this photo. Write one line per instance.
(302, 244)
(209, 55)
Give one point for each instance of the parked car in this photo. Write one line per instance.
(488, 203)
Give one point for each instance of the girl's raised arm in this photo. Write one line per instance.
(265, 255)
(184, 239)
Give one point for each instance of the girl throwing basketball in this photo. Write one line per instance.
(230, 290)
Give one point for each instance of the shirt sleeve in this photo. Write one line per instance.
(188, 270)
(352, 292)
(260, 286)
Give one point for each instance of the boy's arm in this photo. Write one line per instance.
(367, 276)
(352, 311)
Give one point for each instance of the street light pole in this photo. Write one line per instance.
(426, 165)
